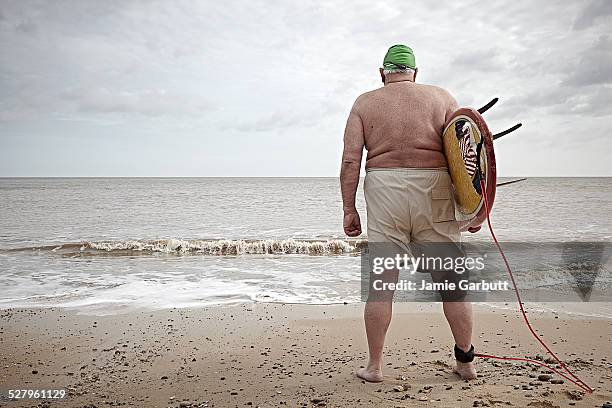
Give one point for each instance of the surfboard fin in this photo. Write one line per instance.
(505, 132)
(505, 183)
(488, 105)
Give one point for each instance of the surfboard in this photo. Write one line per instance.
(468, 147)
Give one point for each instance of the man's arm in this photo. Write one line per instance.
(349, 172)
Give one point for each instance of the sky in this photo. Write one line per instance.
(263, 88)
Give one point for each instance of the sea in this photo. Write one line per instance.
(113, 245)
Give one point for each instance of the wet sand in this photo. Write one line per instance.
(275, 355)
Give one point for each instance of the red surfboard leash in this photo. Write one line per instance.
(568, 375)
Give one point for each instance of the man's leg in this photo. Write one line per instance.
(459, 317)
(437, 226)
(377, 317)
(388, 229)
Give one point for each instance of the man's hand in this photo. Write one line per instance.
(352, 224)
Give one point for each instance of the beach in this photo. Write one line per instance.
(274, 355)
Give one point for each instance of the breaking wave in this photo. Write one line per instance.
(210, 247)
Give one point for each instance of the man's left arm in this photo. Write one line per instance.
(349, 172)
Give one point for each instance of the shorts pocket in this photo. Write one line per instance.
(442, 205)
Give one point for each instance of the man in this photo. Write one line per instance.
(407, 189)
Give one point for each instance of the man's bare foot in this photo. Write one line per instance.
(465, 370)
(370, 374)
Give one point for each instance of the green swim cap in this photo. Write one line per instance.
(399, 56)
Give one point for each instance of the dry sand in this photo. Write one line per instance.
(275, 355)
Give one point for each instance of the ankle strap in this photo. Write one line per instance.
(464, 357)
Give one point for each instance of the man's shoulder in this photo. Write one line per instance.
(434, 89)
(379, 94)
(366, 97)
(441, 95)
(428, 88)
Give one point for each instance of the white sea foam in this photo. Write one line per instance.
(230, 247)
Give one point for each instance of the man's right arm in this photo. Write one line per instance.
(349, 172)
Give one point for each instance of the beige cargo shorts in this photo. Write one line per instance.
(410, 205)
(410, 208)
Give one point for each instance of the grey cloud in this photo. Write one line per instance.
(273, 121)
(27, 27)
(596, 103)
(592, 101)
(283, 118)
(148, 102)
(544, 97)
(478, 60)
(24, 98)
(580, 87)
(593, 10)
(593, 65)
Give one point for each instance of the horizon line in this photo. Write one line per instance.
(255, 177)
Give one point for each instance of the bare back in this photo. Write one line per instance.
(402, 124)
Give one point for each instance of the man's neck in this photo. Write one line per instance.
(398, 77)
